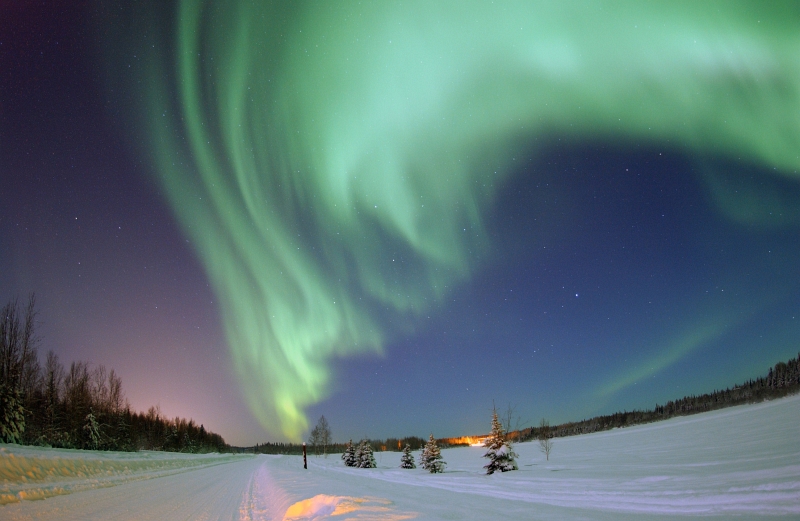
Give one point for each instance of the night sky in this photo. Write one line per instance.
(396, 215)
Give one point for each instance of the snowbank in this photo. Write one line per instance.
(38, 473)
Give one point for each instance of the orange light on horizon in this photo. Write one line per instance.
(472, 441)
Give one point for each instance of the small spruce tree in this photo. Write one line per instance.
(501, 456)
(349, 455)
(366, 459)
(407, 460)
(431, 458)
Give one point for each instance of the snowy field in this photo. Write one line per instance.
(741, 462)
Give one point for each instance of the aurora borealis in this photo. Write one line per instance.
(545, 204)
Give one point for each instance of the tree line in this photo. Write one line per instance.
(80, 407)
(389, 444)
(781, 380)
(320, 442)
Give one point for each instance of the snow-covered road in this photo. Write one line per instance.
(212, 491)
(742, 461)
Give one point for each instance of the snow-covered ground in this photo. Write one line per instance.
(737, 462)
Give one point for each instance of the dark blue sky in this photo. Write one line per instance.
(618, 273)
(616, 283)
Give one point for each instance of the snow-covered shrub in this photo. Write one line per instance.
(407, 460)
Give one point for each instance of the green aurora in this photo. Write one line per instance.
(333, 162)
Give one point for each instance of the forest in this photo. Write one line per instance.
(80, 407)
(781, 380)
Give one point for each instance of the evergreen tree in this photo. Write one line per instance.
(12, 414)
(357, 454)
(313, 439)
(349, 455)
(501, 456)
(407, 460)
(423, 456)
(366, 459)
(187, 445)
(431, 457)
(91, 428)
(19, 369)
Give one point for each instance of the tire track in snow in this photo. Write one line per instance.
(264, 499)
